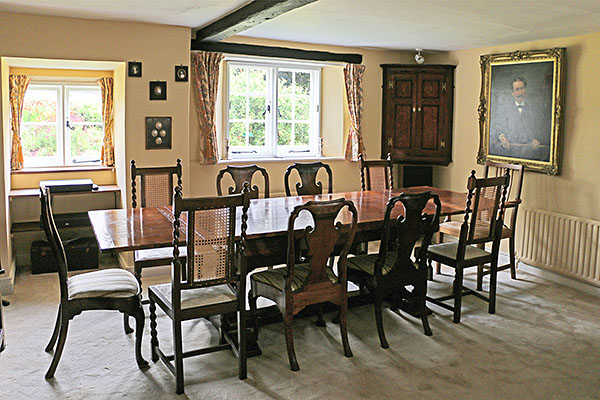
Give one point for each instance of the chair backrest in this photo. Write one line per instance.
(156, 185)
(308, 178)
(376, 174)
(58, 250)
(240, 175)
(513, 195)
(209, 224)
(321, 237)
(411, 225)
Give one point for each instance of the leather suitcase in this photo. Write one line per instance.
(82, 253)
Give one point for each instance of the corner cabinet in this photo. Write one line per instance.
(417, 113)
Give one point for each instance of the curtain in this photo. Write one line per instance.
(205, 81)
(17, 86)
(108, 150)
(353, 74)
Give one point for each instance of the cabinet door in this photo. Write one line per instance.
(430, 134)
(400, 113)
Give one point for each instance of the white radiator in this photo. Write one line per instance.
(561, 243)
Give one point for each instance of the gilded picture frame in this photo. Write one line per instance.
(521, 108)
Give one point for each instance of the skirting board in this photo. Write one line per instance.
(7, 280)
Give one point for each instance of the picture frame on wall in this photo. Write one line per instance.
(520, 108)
(158, 133)
(158, 90)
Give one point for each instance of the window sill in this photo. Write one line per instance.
(46, 170)
(279, 159)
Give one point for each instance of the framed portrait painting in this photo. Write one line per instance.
(520, 108)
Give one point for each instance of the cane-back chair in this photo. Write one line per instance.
(106, 289)
(376, 174)
(241, 174)
(387, 274)
(308, 178)
(297, 286)
(214, 282)
(483, 222)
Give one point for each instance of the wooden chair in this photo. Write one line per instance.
(243, 174)
(376, 174)
(214, 264)
(389, 272)
(106, 289)
(483, 221)
(297, 286)
(308, 178)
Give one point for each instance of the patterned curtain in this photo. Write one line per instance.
(205, 81)
(353, 74)
(108, 150)
(17, 86)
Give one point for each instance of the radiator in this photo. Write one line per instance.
(561, 243)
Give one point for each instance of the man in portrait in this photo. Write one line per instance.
(521, 126)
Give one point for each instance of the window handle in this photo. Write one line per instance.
(299, 151)
(267, 109)
(70, 126)
(244, 152)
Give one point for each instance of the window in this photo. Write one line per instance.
(62, 125)
(273, 110)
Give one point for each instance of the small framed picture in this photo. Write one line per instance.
(181, 73)
(134, 69)
(158, 90)
(158, 133)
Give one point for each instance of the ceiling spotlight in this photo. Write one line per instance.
(418, 57)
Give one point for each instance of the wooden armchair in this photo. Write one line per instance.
(213, 266)
(106, 289)
(388, 273)
(308, 178)
(376, 174)
(297, 286)
(483, 221)
(241, 174)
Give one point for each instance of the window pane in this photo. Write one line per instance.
(257, 107)
(39, 105)
(258, 81)
(302, 83)
(237, 134)
(301, 134)
(284, 133)
(237, 107)
(85, 106)
(285, 108)
(237, 80)
(257, 134)
(284, 82)
(302, 108)
(38, 140)
(86, 143)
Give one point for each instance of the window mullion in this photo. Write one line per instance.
(273, 101)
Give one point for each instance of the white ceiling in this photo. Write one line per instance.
(391, 24)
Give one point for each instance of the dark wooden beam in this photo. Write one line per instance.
(276, 52)
(250, 15)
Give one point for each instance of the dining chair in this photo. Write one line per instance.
(483, 221)
(308, 178)
(387, 274)
(297, 286)
(241, 174)
(105, 289)
(376, 174)
(214, 282)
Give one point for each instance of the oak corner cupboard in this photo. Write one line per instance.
(417, 113)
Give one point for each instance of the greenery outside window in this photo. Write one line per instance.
(62, 124)
(273, 110)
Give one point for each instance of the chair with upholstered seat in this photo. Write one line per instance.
(241, 174)
(388, 273)
(297, 286)
(214, 282)
(308, 178)
(483, 222)
(376, 174)
(106, 289)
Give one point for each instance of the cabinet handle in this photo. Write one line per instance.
(419, 109)
(443, 144)
(414, 109)
(389, 142)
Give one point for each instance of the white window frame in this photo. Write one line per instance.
(271, 148)
(63, 158)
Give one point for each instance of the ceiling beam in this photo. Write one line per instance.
(277, 52)
(250, 15)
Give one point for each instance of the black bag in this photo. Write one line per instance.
(82, 253)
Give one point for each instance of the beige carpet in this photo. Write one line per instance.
(543, 343)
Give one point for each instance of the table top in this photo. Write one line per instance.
(151, 227)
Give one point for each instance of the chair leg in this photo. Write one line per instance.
(242, 358)
(378, 304)
(139, 332)
(422, 292)
(438, 265)
(289, 340)
(320, 321)
(493, 281)
(253, 312)
(64, 326)
(480, 273)
(344, 328)
(126, 325)
(178, 356)
(54, 336)
(153, 331)
(458, 284)
(513, 263)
